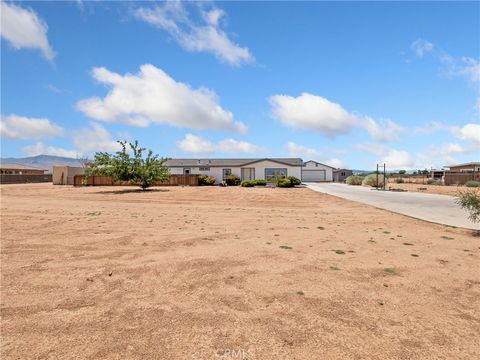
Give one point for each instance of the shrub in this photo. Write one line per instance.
(259, 182)
(472, 184)
(399, 180)
(434, 182)
(354, 180)
(470, 201)
(284, 183)
(232, 180)
(371, 180)
(247, 183)
(294, 180)
(206, 180)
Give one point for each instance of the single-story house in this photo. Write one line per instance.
(313, 171)
(19, 169)
(245, 169)
(64, 175)
(341, 175)
(467, 167)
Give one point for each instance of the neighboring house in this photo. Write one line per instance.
(64, 175)
(468, 167)
(313, 171)
(18, 169)
(340, 175)
(437, 174)
(245, 169)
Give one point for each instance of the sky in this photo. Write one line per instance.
(349, 84)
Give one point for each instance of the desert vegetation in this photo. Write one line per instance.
(137, 169)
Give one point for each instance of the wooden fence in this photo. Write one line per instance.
(460, 177)
(174, 180)
(24, 178)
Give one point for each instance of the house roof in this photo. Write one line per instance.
(319, 163)
(16, 166)
(474, 163)
(229, 162)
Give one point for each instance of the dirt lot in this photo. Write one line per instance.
(230, 273)
(430, 189)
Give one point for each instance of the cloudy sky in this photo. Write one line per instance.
(348, 84)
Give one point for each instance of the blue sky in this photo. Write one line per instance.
(346, 83)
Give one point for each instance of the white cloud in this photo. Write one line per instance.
(40, 148)
(94, 138)
(306, 153)
(312, 112)
(206, 35)
(398, 159)
(386, 130)
(23, 128)
(469, 132)
(430, 128)
(197, 145)
(422, 47)
(152, 96)
(463, 66)
(22, 28)
(376, 149)
(296, 150)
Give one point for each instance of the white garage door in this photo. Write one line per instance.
(313, 175)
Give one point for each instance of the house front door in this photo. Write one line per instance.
(248, 173)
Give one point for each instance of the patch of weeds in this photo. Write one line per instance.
(339, 252)
(94, 213)
(268, 243)
(276, 235)
(372, 241)
(386, 232)
(320, 228)
(334, 268)
(300, 293)
(351, 251)
(389, 270)
(399, 236)
(414, 255)
(447, 237)
(407, 244)
(285, 247)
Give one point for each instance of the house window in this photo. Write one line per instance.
(204, 169)
(272, 173)
(343, 173)
(226, 172)
(186, 171)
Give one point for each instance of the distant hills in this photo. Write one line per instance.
(46, 162)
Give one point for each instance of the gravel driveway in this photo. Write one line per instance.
(440, 209)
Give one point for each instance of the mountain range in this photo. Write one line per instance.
(46, 162)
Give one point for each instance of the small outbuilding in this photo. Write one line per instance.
(64, 175)
(341, 175)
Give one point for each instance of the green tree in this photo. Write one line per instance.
(136, 168)
(470, 201)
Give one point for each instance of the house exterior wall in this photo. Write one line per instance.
(217, 171)
(340, 175)
(472, 167)
(12, 171)
(312, 165)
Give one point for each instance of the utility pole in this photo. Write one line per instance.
(384, 176)
(377, 177)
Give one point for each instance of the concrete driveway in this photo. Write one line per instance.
(440, 209)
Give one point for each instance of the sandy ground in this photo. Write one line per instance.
(451, 190)
(230, 273)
